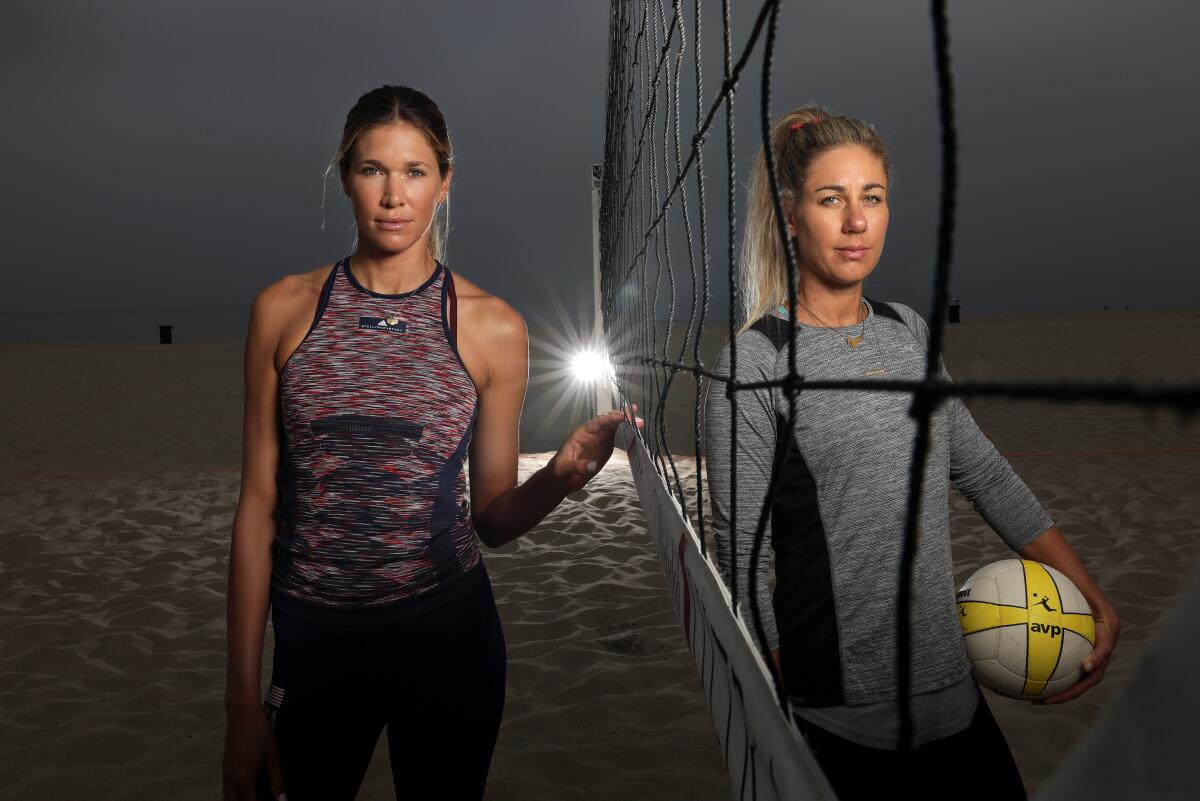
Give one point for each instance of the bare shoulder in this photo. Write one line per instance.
(284, 310)
(290, 292)
(492, 339)
(485, 315)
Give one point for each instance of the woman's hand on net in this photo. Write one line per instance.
(589, 447)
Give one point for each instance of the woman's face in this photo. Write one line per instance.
(394, 186)
(841, 216)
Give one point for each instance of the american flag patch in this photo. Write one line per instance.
(273, 701)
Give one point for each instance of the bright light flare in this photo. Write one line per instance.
(591, 367)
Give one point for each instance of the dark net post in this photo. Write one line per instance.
(164, 334)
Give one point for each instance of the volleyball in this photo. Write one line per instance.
(1027, 628)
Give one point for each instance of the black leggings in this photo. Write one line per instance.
(436, 681)
(974, 763)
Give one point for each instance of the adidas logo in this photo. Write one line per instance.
(383, 324)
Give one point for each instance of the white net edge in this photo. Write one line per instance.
(766, 757)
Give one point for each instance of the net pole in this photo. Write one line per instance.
(603, 391)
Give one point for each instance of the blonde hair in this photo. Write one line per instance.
(797, 138)
(389, 104)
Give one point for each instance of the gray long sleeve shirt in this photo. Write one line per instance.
(837, 521)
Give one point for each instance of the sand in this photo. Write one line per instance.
(119, 481)
(112, 665)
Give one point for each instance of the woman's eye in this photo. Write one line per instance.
(371, 171)
(832, 200)
(416, 172)
(873, 199)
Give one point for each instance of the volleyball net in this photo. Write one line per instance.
(658, 249)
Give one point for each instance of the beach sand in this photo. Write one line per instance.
(119, 482)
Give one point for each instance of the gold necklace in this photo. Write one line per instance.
(851, 340)
(394, 321)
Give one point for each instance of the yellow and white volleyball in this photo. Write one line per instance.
(1027, 628)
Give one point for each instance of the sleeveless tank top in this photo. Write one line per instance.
(376, 411)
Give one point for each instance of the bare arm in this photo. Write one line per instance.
(502, 509)
(254, 526)
(1052, 548)
(249, 743)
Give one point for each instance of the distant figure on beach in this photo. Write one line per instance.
(836, 523)
(369, 384)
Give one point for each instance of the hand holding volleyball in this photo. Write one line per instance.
(1030, 633)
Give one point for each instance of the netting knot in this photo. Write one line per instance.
(792, 384)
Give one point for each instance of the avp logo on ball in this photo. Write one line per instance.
(1045, 628)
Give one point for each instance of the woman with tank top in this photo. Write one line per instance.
(369, 385)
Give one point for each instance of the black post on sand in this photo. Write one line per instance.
(164, 334)
(953, 311)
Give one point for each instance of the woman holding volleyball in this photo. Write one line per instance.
(837, 520)
(369, 384)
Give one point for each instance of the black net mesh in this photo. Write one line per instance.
(656, 263)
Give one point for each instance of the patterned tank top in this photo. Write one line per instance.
(376, 411)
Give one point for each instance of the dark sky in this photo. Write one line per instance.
(166, 155)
